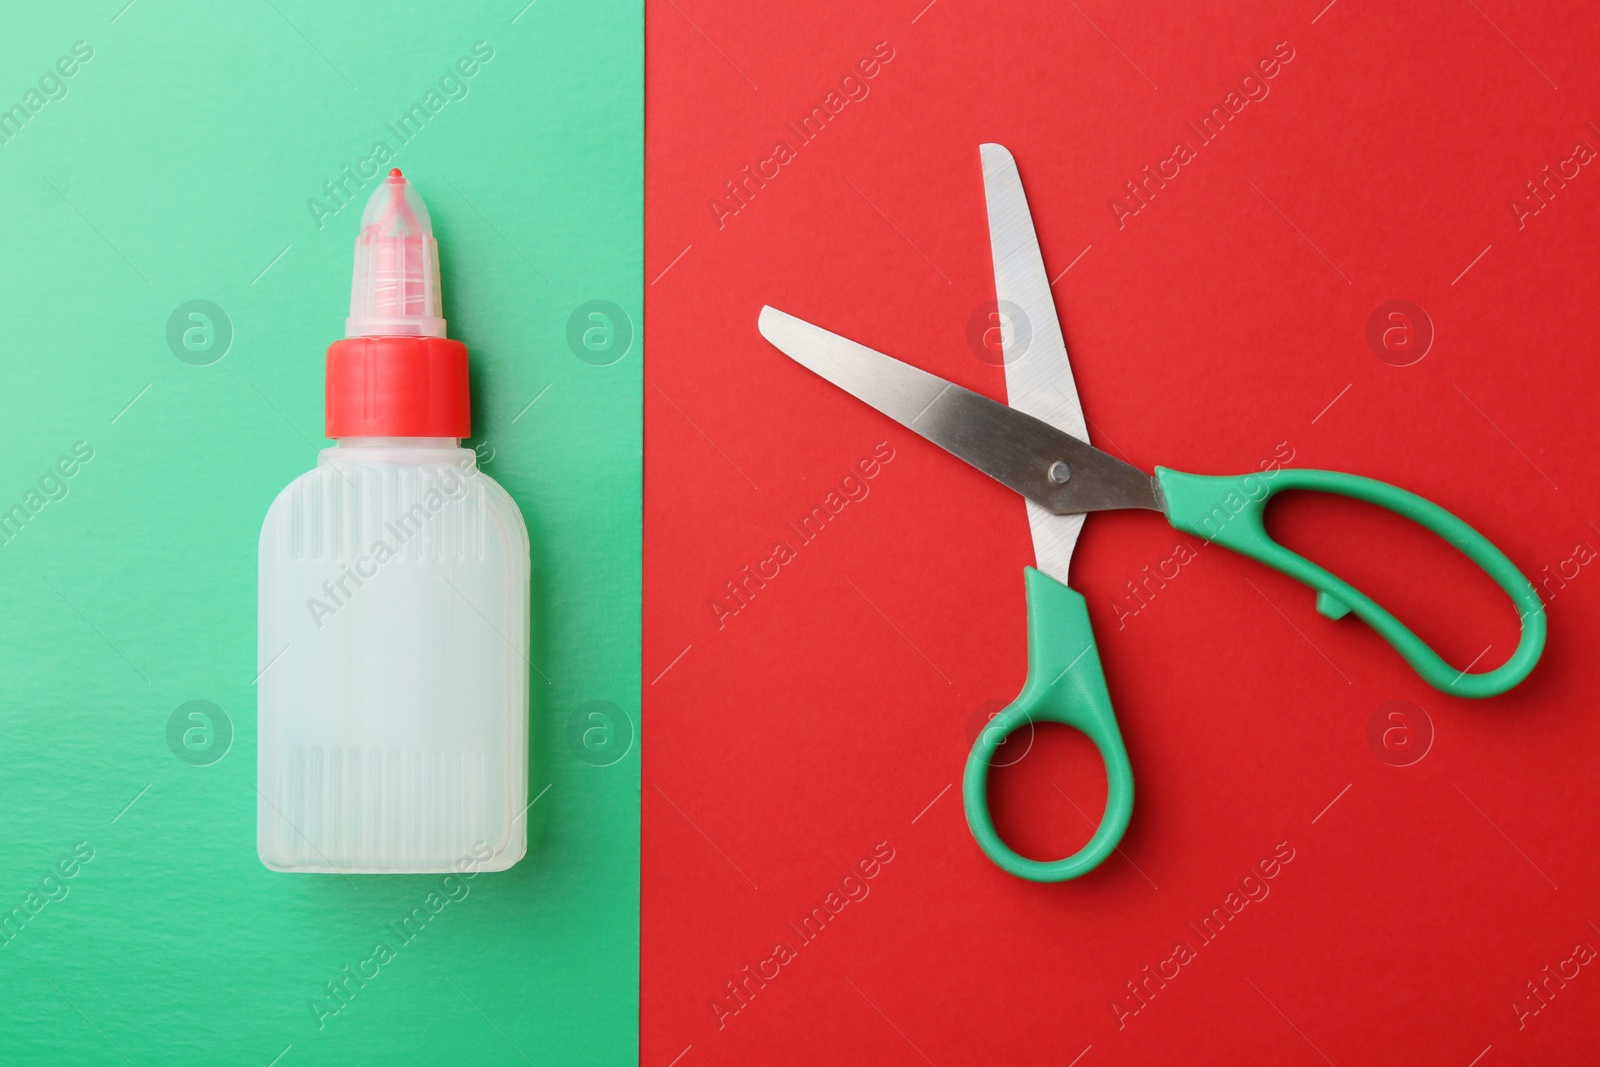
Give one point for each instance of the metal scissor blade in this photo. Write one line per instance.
(1038, 373)
(1011, 446)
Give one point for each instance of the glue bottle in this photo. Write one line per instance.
(393, 627)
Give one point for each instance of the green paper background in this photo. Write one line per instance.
(178, 167)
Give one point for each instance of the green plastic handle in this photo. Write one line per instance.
(1066, 685)
(1228, 510)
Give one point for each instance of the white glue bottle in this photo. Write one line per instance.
(393, 638)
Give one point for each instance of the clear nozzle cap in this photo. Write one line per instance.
(395, 291)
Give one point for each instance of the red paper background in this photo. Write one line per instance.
(1223, 319)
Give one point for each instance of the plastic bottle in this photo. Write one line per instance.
(393, 638)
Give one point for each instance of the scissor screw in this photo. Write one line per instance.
(1058, 473)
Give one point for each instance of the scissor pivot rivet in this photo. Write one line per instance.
(1058, 473)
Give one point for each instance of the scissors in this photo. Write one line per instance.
(1038, 446)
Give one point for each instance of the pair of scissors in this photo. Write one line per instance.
(1038, 446)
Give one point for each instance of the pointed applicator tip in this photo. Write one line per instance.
(395, 288)
(400, 207)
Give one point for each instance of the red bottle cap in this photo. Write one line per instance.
(395, 374)
(398, 387)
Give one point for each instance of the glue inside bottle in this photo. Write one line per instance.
(393, 627)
